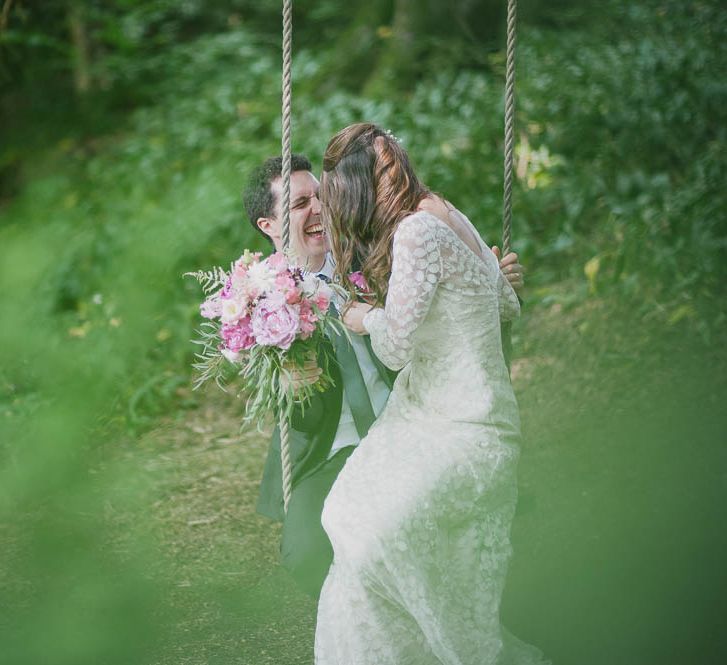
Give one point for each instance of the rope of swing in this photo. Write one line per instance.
(506, 326)
(286, 152)
(286, 143)
(509, 127)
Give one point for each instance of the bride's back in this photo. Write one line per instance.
(456, 220)
(457, 348)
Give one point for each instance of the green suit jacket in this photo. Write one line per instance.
(311, 434)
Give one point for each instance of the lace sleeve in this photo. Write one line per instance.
(415, 273)
(507, 299)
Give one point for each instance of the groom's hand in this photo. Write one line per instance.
(512, 270)
(353, 317)
(299, 377)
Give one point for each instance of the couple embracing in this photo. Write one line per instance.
(403, 485)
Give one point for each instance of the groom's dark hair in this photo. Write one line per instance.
(257, 196)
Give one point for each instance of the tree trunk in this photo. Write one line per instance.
(7, 5)
(80, 49)
(398, 64)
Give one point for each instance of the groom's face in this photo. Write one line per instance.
(307, 237)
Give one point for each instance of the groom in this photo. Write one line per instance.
(326, 433)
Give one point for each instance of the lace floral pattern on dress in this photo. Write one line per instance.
(419, 517)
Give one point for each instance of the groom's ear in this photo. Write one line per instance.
(267, 226)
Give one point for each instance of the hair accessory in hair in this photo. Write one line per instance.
(391, 135)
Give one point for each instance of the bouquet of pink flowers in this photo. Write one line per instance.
(267, 317)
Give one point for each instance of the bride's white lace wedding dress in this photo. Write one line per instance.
(420, 516)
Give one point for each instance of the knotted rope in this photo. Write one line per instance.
(509, 127)
(287, 95)
(506, 326)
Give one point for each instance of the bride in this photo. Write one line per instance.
(419, 518)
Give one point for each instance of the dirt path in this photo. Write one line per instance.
(233, 603)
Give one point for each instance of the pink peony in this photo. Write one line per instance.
(250, 292)
(359, 281)
(237, 336)
(275, 322)
(293, 297)
(284, 281)
(322, 301)
(278, 261)
(308, 320)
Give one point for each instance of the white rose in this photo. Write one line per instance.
(231, 310)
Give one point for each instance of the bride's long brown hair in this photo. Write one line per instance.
(367, 188)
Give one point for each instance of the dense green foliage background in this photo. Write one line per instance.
(127, 130)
